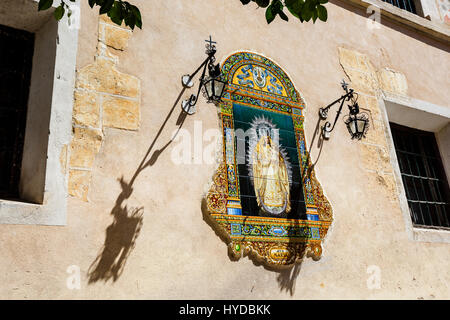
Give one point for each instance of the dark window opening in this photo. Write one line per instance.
(16, 54)
(407, 5)
(423, 176)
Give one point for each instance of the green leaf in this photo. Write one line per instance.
(262, 3)
(137, 15)
(315, 15)
(106, 6)
(59, 12)
(283, 16)
(130, 21)
(278, 5)
(306, 13)
(115, 14)
(311, 5)
(270, 16)
(44, 4)
(294, 5)
(322, 12)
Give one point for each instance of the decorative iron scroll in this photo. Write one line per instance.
(265, 196)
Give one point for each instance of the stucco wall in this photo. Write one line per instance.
(177, 254)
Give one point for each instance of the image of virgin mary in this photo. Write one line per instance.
(270, 170)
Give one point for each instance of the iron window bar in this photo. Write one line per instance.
(420, 177)
(428, 202)
(416, 154)
(428, 196)
(407, 5)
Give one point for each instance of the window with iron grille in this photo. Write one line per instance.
(407, 5)
(423, 175)
(16, 53)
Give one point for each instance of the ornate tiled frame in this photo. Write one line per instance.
(276, 241)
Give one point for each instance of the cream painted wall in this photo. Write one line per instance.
(177, 254)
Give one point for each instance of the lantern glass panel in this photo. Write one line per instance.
(218, 88)
(361, 125)
(209, 88)
(352, 126)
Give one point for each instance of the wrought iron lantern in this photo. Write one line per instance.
(357, 122)
(213, 86)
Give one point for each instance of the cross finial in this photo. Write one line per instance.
(210, 42)
(210, 46)
(344, 85)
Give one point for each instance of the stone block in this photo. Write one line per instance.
(63, 159)
(349, 58)
(387, 183)
(116, 38)
(371, 104)
(102, 76)
(79, 181)
(366, 65)
(370, 158)
(105, 19)
(392, 81)
(85, 145)
(86, 110)
(105, 53)
(121, 113)
(385, 160)
(376, 134)
(375, 158)
(362, 82)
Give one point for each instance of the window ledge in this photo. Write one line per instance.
(412, 111)
(16, 212)
(436, 30)
(431, 235)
